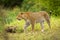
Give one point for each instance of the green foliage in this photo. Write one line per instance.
(55, 7)
(34, 5)
(42, 5)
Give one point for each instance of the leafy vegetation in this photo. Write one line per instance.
(34, 5)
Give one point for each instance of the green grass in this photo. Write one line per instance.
(48, 34)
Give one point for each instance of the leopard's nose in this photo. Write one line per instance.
(18, 19)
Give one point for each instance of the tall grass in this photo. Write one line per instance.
(48, 34)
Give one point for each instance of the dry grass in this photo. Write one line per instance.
(49, 34)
